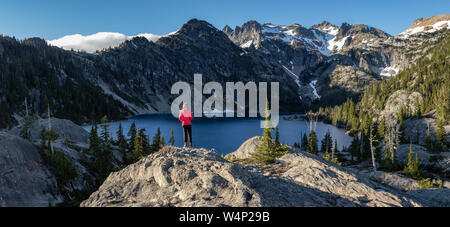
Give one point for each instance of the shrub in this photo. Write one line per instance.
(428, 183)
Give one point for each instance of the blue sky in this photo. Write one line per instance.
(51, 19)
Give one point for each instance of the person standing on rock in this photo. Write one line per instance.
(186, 117)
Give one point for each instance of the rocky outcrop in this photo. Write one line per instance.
(401, 154)
(65, 128)
(438, 197)
(246, 150)
(309, 170)
(416, 128)
(397, 181)
(25, 180)
(73, 141)
(198, 177)
(401, 99)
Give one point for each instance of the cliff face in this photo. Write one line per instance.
(197, 177)
(25, 180)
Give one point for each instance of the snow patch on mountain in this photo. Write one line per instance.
(334, 44)
(295, 77)
(313, 86)
(429, 29)
(247, 44)
(97, 41)
(323, 40)
(388, 71)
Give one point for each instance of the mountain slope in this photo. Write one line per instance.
(341, 61)
(50, 76)
(147, 70)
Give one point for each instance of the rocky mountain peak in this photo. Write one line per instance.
(135, 42)
(324, 26)
(246, 36)
(254, 25)
(197, 33)
(227, 30)
(429, 21)
(427, 25)
(195, 27)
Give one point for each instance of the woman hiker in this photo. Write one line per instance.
(186, 117)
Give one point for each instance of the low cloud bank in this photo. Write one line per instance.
(97, 41)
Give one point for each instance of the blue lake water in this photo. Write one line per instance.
(225, 135)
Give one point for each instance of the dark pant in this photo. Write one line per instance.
(187, 132)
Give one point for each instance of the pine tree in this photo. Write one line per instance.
(304, 145)
(277, 137)
(412, 168)
(327, 143)
(94, 140)
(172, 139)
(334, 150)
(104, 157)
(122, 142)
(156, 143)
(312, 143)
(105, 136)
(269, 149)
(132, 134)
(138, 149)
(162, 141)
(441, 137)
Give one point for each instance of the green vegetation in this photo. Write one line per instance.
(62, 167)
(328, 157)
(428, 76)
(47, 76)
(172, 140)
(412, 168)
(312, 143)
(428, 183)
(269, 149)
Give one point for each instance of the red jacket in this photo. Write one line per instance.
(185, 117)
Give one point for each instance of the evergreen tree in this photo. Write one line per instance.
(327, 143)
(269, 149)
(412, 168)
(172, 139)
(105, 135)
(354, 148)
(304, 144)
(122, 142)
(277, 137)
(441, 137)
(138, 149)
(94, 140)
(162, 141)
(132, 134)
(156, 143)
(312, 143)
(103, 157)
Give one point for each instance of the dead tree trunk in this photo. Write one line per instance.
(50, 129)
(372, 151)
(361, 144)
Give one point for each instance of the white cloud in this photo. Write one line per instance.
(97, 41)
